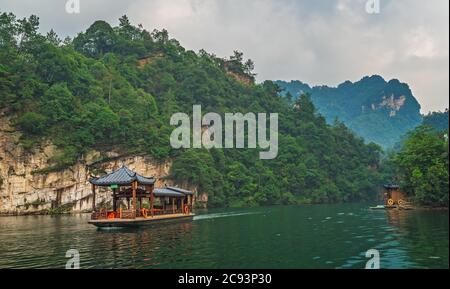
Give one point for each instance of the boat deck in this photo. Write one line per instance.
(141, 221)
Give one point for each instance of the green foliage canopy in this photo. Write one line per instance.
(117, 87)
(423, 166)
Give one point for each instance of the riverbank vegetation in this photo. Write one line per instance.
(117, 87)
(422, 166)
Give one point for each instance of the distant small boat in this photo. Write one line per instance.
(379, 207)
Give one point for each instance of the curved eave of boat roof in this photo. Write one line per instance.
(163, 192)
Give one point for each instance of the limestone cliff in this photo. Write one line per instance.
(28, 185)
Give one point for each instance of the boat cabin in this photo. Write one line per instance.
(393, 196)
(142, 200)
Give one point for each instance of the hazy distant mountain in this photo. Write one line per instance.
(377, 110)
(438, 120)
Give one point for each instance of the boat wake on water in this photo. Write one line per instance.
(223, 215)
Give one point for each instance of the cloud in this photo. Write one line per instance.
(319, 42)
(420, 44)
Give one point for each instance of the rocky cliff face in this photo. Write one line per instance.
(28, 186)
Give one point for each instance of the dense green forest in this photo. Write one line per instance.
(117, 87)
(437, 120)
(379, 111)
(422, 166)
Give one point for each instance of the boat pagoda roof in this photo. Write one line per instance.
(158, 192)
(165, 192)
(122, 176)
(391, 187)
(179, 190)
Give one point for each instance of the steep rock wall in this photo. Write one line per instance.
(27, 186)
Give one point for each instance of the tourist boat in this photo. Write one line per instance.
(149, 205)
(394, 199)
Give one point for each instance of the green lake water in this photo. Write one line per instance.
(315, 236)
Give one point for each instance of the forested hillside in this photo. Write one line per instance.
(379, 111)
(117, 87)
(437, 120)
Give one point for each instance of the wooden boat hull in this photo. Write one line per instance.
(139, 222)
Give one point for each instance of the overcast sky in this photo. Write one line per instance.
(315, 41)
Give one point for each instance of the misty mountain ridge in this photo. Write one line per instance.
(380, 111)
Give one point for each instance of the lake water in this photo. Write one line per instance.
(315, 236)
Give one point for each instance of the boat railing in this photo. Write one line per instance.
(99, 215)
(126, 214)
(103, 214)
(158, 212)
